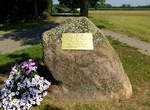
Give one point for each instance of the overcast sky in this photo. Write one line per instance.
(55, 1)
(120, 2)
(131, 2)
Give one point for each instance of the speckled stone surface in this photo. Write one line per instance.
(85, 74)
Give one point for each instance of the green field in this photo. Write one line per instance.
(117, 8)
(135, 64)
(133, 23)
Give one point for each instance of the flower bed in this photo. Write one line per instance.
(24, 87)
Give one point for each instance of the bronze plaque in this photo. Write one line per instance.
(77, 41)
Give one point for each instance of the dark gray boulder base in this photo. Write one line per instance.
(85, 74)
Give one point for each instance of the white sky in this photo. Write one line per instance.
(131, 2)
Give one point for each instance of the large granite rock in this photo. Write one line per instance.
(85, 75)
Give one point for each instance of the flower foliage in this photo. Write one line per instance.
(24, 87)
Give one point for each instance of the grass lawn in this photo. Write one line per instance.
(133, 23)
(136, 65)
(12, 27)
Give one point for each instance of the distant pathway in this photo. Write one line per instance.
(142, 46)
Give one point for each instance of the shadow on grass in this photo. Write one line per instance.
(48, 107)
(18, 58)
(28, 36)
(101, 26)
(65, 15)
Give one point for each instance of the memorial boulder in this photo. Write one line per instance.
(93, 72)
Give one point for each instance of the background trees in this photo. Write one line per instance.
(77, 4)
(82, 4)
(94, 3)
(22, 10)
(72, 4)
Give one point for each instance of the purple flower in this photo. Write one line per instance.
(33, 68)
(31, 60)
(28, 72)
(24, 65)
(28, 66)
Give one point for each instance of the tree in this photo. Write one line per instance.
(93, 3)
(35, 9)
(82, 4)
(126, 6)
(100, 3)
(84, 8)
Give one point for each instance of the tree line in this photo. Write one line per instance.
(73, 4)
(12, 11)
(22, 10)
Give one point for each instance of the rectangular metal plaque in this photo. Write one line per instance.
(77, 41)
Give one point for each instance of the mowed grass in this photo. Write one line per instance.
(133, 23)
(136, 65)
(7, 61)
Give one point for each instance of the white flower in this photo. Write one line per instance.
(45, 93)
(34, 91)
(37, 77)
(0, 104)
(17, 93)
(13, 94)
(38, 102)
(41, 78)
(14, 69)
(18, 88)
(47, 82)
(45, 87)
